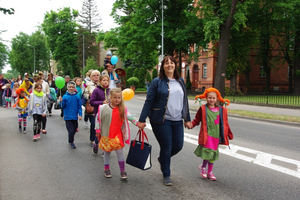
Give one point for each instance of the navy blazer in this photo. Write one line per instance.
(157, 99)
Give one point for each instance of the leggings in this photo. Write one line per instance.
(119, 153)
(37, 121)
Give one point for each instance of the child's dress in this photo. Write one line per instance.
(114, 132)
(210, 151)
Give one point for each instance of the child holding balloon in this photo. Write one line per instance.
(112, 125)
(110, 71)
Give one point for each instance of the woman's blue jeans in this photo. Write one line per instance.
(169, 135)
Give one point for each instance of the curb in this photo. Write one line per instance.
(250, 118)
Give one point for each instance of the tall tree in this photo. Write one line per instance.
(3, 55)
(59, 28)
(89, 17)
(219, 18)
(21, 56)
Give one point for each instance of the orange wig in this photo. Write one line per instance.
(208, 90)
(18, 91)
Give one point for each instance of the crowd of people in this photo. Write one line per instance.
(166, 106)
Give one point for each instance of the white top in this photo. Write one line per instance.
(175, 101)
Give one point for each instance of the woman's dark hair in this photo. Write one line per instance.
(50, 74)
(162, 74)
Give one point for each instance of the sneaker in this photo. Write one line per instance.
(211, 176)
(202, 171)
(44, 131)
(102, 154)
(123, 175)
(167, 181)
(107, 174)
(38, 136)
(24, 131)
(92, 144)
(34, 138)
(20, 129)
(72, 146)
(86, 124)
(95, 148)
(50, 114)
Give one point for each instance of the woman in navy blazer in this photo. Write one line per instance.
(167, 106)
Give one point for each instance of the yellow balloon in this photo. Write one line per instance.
(127, 94)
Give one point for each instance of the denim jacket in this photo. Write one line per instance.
(155, 106)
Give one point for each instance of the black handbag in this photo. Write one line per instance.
(139, 154)
(57, 106)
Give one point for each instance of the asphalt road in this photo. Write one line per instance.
(48, 169)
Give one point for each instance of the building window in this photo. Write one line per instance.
(204, 74)
(262, 72)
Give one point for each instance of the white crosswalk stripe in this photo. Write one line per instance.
(259, 157)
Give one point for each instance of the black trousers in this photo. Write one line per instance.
(37, 121)
(72, 126)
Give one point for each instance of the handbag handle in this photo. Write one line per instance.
(142, 135)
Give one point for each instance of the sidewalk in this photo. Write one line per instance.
(233, 106)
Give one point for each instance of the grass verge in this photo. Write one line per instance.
(265, 116)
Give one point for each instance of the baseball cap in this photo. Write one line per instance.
(108, 53)
(26, 74)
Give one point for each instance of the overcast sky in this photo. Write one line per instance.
(30, 13)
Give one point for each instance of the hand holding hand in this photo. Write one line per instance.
(188, 125)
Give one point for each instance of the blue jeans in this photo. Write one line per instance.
(169, 135)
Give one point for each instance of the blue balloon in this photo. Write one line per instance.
(114, 60)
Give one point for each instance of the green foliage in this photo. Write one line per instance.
(188, 84)
(154, 73)
(91, 64)
(148, 77)
(59, 28)
(9, 11)
(3, 55)
(136, 72)
(129, 74)
(142, 77)
(141, 90)
(21, 57)
(101, 69)
(133, 81)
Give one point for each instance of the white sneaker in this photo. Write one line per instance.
(86, 124)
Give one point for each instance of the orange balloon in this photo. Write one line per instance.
(127, 94)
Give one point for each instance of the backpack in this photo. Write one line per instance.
(52, 95)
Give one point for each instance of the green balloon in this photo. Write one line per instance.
(60, 82)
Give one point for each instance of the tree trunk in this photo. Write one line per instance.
(223, 50)
(297, 64)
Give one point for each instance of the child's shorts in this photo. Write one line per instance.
(22, 115)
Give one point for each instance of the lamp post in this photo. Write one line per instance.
(83, 58)
(33, 57)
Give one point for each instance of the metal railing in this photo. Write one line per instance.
(290, 100)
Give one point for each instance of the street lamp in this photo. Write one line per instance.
(33, 57)
(82, 50)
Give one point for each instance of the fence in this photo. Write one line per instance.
(291, 100)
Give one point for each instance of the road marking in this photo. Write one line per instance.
(261, 158)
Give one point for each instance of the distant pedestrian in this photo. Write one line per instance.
(112, 125)
(3, 81)
(110, 71)
(26, 84)
(14, 94)
(214, 130)
(7, 95)
(85, 83)
(37, 109)
(52, 99)
(71, 105)
(21, 106)
(100, 96)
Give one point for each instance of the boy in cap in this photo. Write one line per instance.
(71, 105)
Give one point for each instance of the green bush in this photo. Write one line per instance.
(136, 72)
(141, 90)
(141, 77)
(148, 77)
(129, 74)
(133, 81)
